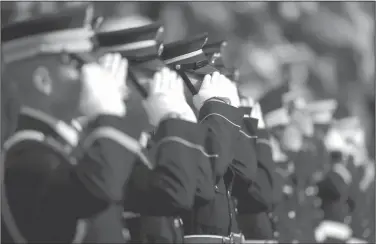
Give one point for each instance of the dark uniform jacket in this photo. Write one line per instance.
(309, 166)
(284, 213)
(334, 192)
(42, 185)
(168, 191)
(363, 214)
(255, 218)
(9, 109)
(9, 116)
(337, 204)
(48, 190)
(216, 215)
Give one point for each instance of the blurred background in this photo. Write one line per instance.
(329, 46)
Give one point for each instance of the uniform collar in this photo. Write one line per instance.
(37, 120)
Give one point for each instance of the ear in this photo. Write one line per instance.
(42, 80)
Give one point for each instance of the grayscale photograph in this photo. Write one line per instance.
(187, 122)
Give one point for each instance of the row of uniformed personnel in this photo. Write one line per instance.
(321, 169)
(72, 168)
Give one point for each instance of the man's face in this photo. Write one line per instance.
(47, 83)
(67, 87)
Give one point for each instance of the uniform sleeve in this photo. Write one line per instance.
(257, 199)
(256, 226)
(260, 191)
(105, 159)
(336, 183)
(223, 122)
(205, 181)
(10, 107)
(266, 161)
(38, 166)
(265, 153)
(244, 165)
(171, 186)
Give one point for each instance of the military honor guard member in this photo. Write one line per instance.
(335, 188)
(75, 178)
(284, 141)
(37, 163)
(361, 191)
(312, 161)
(217, 102)
(256, 223)
(157, 222)
(160, 208)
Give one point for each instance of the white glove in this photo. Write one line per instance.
(233, 93)
(247, 102)
(257, 114)
(166, 96)
(356, 141)
(103, 87)
(216, 85)
(292, 139)
(277, 154)
(334, 141)
(303, 121)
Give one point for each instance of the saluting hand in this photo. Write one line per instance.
(247, 102)
(303, 121)
(292, 139)
(103, 87)
(166, 97)
(257, 114)
(216, 85)
(334, 141)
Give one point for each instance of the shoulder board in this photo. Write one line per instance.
(36, 136)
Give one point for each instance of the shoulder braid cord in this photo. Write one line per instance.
(6, 212)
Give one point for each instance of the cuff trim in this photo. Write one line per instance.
(248, 136)
(220, 115)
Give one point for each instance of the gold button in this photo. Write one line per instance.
(291, 214)
(287, 189)
(216, 188)
(309, 191)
